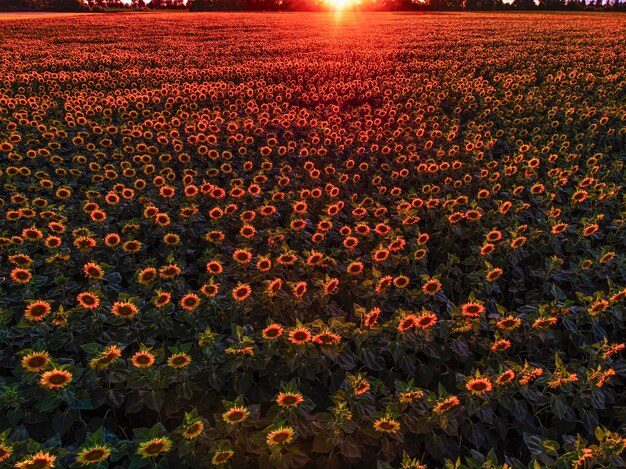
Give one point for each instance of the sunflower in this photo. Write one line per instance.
(88, 300)
(289, 399)
(431, 287)
(272, 332)
(446, 404)
(409, 396)
(5, 451)
(193, 430)
(19, 275)
(169, 271)
(299, 336)
(131, 246)
(112, 239)
(282, 435)
(371, 318)
(93, 271)
(361, 386)
(142, 359)
(93, 455)
(147, 275)
(106, 358)
(241, 291)
(235, 415)
(509, 323)
(479, 386)
(37, 310)
(222, 457)
(505, 377)
(162, 299)
(331, 286)
(426, 320)
(598, 307)
(386, 425)
(154, 447)
(327, 338)
(472, 310)
(210, 289)
(299, 289)
(39, 460)
(190, 301)
(494, 274)
(179, 360)
(407, 322)
(355, 268)
(36, 361)
(242, 256)
(264, 264)
(500, 345)
(124, 309)
(383, 283)
(55, 379)
(171, 239)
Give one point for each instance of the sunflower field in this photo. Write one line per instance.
(313, 240)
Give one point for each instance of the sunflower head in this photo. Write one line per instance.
(154, 447)
(93, 455)
(36, 361)
(280, 436)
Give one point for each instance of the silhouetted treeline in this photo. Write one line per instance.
(395, 5)
(309, 5)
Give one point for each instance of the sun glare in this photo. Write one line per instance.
(339, 5)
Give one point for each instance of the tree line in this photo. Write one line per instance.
(308, 5)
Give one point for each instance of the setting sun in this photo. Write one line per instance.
(340, 4)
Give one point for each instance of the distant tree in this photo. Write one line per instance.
(65, 5)
(551, 4)
(137, 4)
(15, 5)
(524, 4)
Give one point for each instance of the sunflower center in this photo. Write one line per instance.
(57, 379)
(94, 454)
(154, 448)
(37, 362)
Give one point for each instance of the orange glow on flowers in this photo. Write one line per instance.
(124, 309)
(241, 292)
(289, 399)
(39, 460)
(19, 275)
(93, 271)
(386, 425)
(142, 359)
(106, 357)
(88, 300)
(479, 386)
(179, 360)
(472, 309)
(300, 336)
(154, 447)
(431, 287)
(93, 455)
(280, 436)
(235, 415)
(55, 379)
(190, 302)
(37, 310)
(36, 361)
(5, 451)
(446, 404)
(407, 322)
(272, 332)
